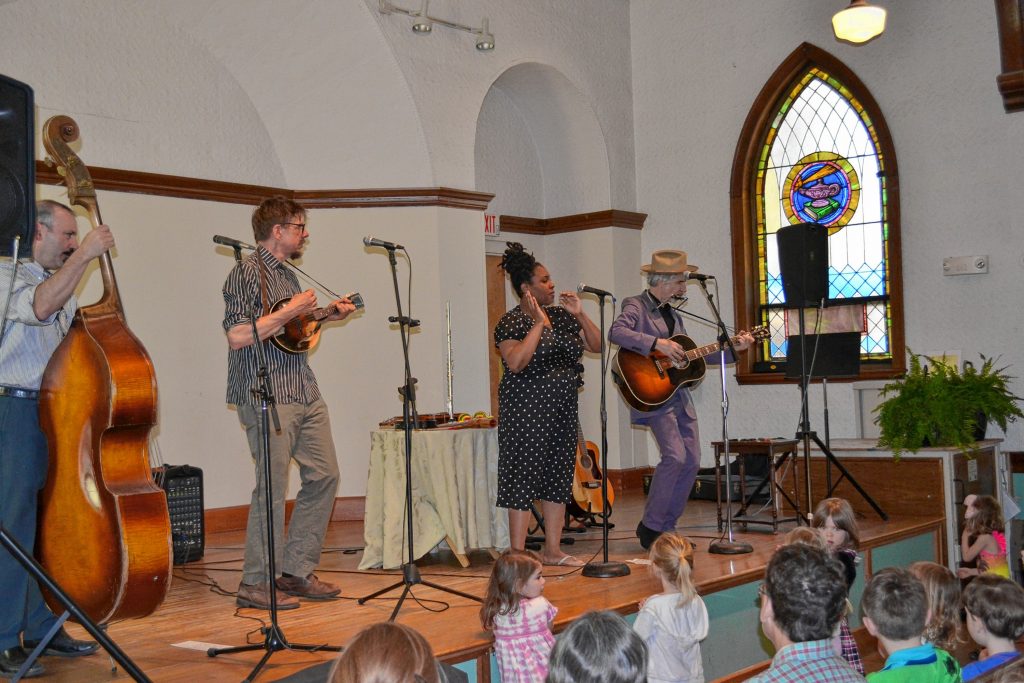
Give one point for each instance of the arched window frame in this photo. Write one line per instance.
(743, 207)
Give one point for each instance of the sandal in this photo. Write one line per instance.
(565, 561)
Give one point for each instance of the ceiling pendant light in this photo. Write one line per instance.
(858, 23)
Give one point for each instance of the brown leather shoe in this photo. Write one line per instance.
(310, 587)
(257, 596)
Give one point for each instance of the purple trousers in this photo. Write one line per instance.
(675, 429)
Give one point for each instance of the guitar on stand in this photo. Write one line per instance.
(588, 502)
(649, 381)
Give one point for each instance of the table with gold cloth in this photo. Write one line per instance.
(454, 486)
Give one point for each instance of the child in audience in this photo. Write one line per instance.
(894, 609)
(807, 536)
(386, 653)
(673, 622)
(995, 619)
(519, 616)
(943, 592)
(983, 538)
(837, 524)
(599, 647)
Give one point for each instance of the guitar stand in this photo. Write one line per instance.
(535, 543)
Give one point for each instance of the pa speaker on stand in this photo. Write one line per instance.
(17, 168)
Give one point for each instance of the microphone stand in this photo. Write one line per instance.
(604, 569)
(720, 546)
(410, 572)
(274, 639)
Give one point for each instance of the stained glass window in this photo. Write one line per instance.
(821, 163)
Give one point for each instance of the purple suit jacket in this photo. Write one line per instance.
(637, 327)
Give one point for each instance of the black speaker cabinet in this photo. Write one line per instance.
(803, 263)
(184, 488)
(17, 167)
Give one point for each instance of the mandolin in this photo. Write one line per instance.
(649, 381)
(587, 480)
(302, 334)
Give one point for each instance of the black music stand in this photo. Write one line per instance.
(823, 356)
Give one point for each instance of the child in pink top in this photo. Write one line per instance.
(520, 617)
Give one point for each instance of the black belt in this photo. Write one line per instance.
(16, 392)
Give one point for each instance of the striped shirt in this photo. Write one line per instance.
(28, 342)
(291, 378)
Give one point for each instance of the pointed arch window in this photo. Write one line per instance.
(815, 149)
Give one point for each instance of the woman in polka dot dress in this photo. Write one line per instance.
(541, 345)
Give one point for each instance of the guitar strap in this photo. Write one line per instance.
(261, 268)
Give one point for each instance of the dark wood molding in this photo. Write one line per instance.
(1010, 18)
(581, 221)
(406, 196)
(742, 205)
(140, 182)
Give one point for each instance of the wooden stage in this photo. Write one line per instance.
(200, 607)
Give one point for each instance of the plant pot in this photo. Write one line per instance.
(980, 425)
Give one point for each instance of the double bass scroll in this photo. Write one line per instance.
(104, 532)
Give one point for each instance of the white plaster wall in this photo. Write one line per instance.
(506, 159)
(587, 41)
(146, 95)
(933, 74)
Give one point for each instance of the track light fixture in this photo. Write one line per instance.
(858, 23)
(424, 23)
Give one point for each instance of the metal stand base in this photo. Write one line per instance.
(730, 548)
(605, 570)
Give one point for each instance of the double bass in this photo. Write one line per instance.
(104, 533)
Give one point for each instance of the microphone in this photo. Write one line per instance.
(593, 290)
(374, 242)
(699, 277)
(233, 243)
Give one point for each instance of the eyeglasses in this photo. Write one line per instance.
(300, 226)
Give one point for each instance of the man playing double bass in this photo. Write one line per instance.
(42, 306)
(251, 289)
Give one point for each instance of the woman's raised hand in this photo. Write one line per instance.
(531, 308)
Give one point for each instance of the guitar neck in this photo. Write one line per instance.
(706, 350)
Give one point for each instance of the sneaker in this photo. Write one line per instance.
(310, 587)
(257, 596)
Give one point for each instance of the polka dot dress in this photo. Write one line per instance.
(537, 412)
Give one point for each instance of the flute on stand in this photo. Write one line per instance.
(450, 399)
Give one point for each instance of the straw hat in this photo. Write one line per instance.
(668, 261)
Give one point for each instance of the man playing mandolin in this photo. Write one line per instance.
(644, 326)
(41, 309)
(251, 289)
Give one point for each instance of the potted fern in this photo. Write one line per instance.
(937, 405)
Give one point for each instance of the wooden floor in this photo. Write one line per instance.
(201, 608)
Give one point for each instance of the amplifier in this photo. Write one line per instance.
(184, 488)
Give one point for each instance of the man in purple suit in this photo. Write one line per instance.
(645, 325)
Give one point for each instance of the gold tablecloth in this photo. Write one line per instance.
(454, 486)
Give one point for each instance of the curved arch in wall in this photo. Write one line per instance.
(539, 146)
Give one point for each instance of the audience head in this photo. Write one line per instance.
(599, 647)
(984, 515)
(672, 559)
(997, 604)
(894, 605)
(520, 265)
(386, 653)
(805, 535)
(516, 574)
(276, 210)
(838, 524)
(942, 590)
(804, 595)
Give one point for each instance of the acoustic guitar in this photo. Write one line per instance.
(587, 480)
(649, 381)
(302, 334)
